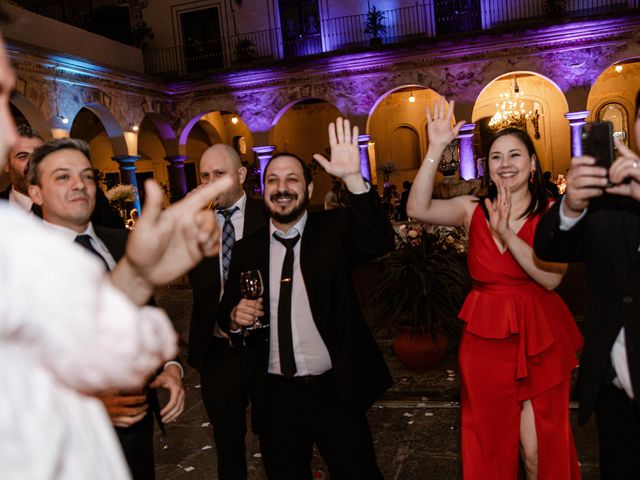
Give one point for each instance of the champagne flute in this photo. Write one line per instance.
(251, 287)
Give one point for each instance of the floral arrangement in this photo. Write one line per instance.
(425, 279)
(121, 193)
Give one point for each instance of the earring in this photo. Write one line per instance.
(531, 175)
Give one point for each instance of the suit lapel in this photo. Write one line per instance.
(631, 228)
(309, 264)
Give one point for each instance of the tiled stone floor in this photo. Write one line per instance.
(415, 426)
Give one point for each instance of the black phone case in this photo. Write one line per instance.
(597, 142)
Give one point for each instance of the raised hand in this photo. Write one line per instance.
(345, 155)
(626, 167)
(439, 129)
(499, 211)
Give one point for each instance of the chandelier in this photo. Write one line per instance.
(510, 110)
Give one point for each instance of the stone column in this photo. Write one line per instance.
(576, 120)
(128, 174)
(264, 154)
(365, 162)
(467, 160)
(177, 177)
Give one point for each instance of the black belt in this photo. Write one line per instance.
(304, 380)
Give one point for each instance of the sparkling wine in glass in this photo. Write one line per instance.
(251, 287)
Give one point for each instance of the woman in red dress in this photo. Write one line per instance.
(519, 342)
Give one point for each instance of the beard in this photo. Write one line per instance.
(295, 213)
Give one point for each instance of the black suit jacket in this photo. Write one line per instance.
(205, 283)
(607, 239)
(333, 241)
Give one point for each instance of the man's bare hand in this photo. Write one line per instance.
(124, 410)
(345, 155)
(584, 181)
(166, 244)
(171, 381)
(246, 313)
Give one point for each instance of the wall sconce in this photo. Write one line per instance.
(62, 118)
(618, 68)
(235, 120)
(134, 128)
(412, 99)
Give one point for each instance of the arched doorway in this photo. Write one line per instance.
(542, 106)
(397, 125)
(301, 128)
(612, 97)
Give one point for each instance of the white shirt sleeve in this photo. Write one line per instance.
(567, 223)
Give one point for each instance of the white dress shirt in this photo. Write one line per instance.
(65, 331)
(96, 243)
(20, 200)
(619, 349)
(310, 352)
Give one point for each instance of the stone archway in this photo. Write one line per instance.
(399, 115)
(615, 90)
(551, 137)
(31, 113)
(301, 128)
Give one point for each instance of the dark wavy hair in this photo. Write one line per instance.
(539, 195)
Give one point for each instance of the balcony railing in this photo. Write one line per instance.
(430, 18)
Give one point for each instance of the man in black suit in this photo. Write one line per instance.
(17, 192)
(600, 225)
(62, 183)
(225, 372)
(317, 366)
(404, 197)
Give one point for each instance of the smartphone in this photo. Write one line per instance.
(597, 142)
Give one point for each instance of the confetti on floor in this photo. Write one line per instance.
(410, 422)
(257, 455)
(207, 447)
(407, 414)
(205, 424)
(421, 405)
(197, 386)
(428, 414)
(188, 469)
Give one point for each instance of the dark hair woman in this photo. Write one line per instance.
(519, 342)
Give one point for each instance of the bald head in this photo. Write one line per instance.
(220, 161)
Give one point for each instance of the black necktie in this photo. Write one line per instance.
(285, 337)
(85, 241)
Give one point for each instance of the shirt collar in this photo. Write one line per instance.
(242, 201)
(71, 234)
(24, 201)
(297, 229)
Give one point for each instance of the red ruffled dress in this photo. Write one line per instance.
(519, 343)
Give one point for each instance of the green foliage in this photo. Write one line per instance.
(374, 25)
(556, 8)
(245, 51)
(426, 282)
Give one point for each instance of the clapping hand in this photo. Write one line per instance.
(345, 155)
(499, 210)
(440, 131)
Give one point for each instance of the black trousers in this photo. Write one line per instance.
(298, 414)
(225, 384)
(137, 444)
(618, 422)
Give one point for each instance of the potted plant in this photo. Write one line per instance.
(374, 26)
(245, 51)
(423, 288)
